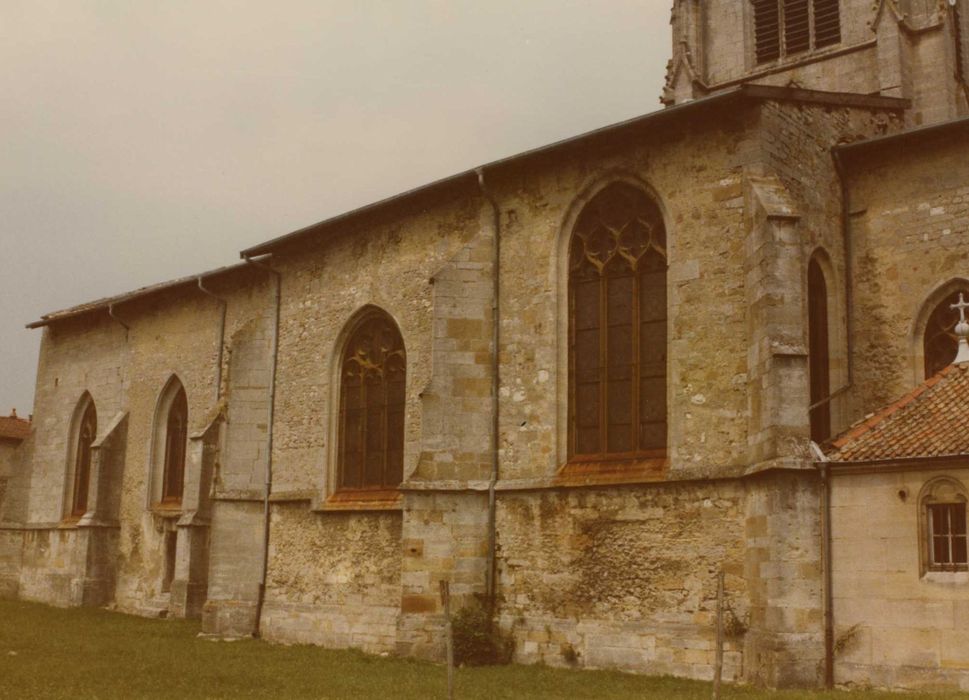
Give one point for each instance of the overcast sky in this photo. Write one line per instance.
(142, 141)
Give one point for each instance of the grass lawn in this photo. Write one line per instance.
(53, 653)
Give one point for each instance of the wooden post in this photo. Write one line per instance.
(448, 638)
(718, 663)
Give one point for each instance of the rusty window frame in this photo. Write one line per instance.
(784, 28)
(86, 434)
(939, 342)
(373, 381)
(619, 235)
(819, 353)
(176, 437)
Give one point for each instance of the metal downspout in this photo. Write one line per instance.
(491, 571)
(269, 442)
(123, 324)
(826, 598)
(218, 368)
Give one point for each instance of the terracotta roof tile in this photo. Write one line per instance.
(13, 428)
(932, 420)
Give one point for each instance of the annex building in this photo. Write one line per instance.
(578, 382)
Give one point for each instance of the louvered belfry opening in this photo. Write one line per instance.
(789, 27)
(940, 343)
(617, 328)
(827, 23)
(372, 397)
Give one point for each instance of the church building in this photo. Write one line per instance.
(576, 384)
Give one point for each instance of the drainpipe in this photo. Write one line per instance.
(269, 443)
(218, 368)
(491, 571)
(826, 600)
(123, 324)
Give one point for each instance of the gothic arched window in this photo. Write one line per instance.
(617, 327)
(176, 436)
(819, 353)
(373, 379)
(87, 430)
(940, 342)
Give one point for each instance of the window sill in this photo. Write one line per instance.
(363, 500)
(69, 522)
(946, 577)
(605, 472)
(166, 510)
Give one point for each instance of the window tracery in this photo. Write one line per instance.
(372, 398)
(617, 327)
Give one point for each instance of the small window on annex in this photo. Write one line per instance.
(944, 526)
(617, 328)
(373, 381)
(939, 344)
(85, 433)
(788, 27)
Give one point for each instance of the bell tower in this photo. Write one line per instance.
(916, 49)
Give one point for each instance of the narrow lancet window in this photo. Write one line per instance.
(176, 435)
(819, 354)
(86, 434)
(617, 327)
(372, 397)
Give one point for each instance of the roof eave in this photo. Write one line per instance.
(752, 92)
(103, 304)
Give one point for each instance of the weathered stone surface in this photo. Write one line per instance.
(604, 566)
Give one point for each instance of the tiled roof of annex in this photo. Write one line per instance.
(14, 428)
(932, 420)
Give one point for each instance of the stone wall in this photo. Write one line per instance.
(845, 67)
(624, 578)
(617, 574)
(910, 235)
(334, 579)
(896, 626)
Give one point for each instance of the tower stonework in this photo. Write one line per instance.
(913, 49)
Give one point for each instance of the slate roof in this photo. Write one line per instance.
(930, 421)
(14, 428)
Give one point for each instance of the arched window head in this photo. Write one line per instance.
(87, 430)
(940, 342)
(617, 327)
(819, 353)
(944, 532)
(373, 380)
(176, 436)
